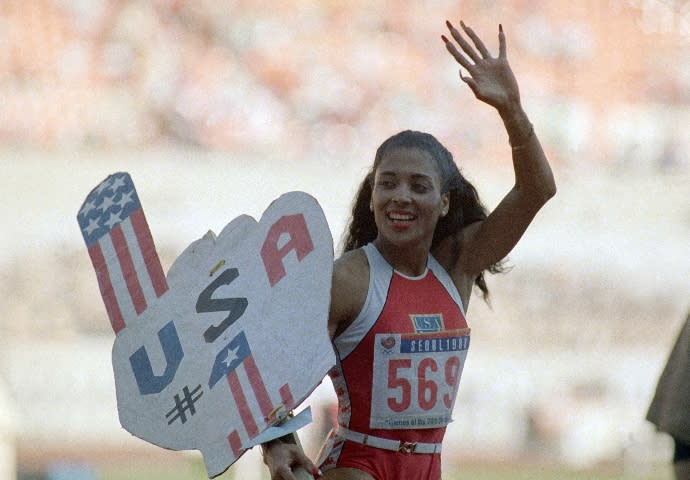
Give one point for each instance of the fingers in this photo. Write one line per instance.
(289, 462)
(470, 83)
(297, 468)
(303, 474)
(296, 473)
(457, 55)
(464, 45)
(476, 40)
(468, 49)
(301, 460)
(283, 473)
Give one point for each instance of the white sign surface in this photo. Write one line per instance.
(212, 355)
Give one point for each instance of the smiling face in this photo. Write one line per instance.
(406, 198)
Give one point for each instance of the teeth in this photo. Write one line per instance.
(400, 216)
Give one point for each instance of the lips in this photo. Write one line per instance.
(401, 219)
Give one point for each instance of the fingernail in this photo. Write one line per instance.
(448, 24)
(443, 37)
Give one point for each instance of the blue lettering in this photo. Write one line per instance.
(147, 381)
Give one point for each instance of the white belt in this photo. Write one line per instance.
(388, 444)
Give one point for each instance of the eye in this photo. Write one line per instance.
(385, 183)
(421, 187)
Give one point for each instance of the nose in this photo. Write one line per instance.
(402, 195)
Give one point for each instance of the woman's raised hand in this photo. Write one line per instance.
(491, 79)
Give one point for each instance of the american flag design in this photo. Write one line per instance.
(117, 235)
(235, 362)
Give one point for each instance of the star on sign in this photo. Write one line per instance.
(102, 187)
(113, 220)
(125, 199)
(232, 356)
(119, 182)
(93, 225)
(88, 206)
(107, 203)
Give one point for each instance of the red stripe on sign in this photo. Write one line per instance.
(286, 396)
(128, 270)
(258, 386)
(148, 251)
(235, 443)
(242, 405)
(106, 287)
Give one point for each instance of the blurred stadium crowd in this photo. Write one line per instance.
(607, 80)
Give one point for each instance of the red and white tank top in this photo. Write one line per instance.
(399, 363)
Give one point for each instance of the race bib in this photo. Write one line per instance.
(416, 378)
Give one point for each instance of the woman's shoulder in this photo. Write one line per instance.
(351, 267)
(349, 289)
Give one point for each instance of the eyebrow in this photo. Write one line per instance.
(417, 176)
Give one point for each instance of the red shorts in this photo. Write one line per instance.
(382, 464)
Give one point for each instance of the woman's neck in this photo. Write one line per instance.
(410, 261)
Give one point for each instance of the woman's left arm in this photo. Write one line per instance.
(492, 81)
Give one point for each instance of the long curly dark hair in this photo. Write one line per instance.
(465, 206)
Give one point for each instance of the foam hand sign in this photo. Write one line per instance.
(206, 358)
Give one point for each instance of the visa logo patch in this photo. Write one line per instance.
(427, 323)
